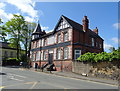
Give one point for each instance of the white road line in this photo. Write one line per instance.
(78, 79)
(16, 79)
(18, 75)
(33, 85)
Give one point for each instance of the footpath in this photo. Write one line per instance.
(78, 76)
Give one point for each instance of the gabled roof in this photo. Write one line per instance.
(5, 45)
(93, 34)
(74, 24)
(37, 29)
(71, 23)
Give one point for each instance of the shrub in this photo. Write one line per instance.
(102, 57)
(87, 57)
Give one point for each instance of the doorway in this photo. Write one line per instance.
(50, 58)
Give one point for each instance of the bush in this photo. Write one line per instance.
(115, 55)
(102, 57)
(12, 61)
(87, 57)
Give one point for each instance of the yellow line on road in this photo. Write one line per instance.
(2, 87)
(17, 84)
(33, 85)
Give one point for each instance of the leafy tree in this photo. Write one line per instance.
(2, 32)
(26, 37)
(15, 27)
(112, 49)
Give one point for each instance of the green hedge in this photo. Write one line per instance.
(100, 57)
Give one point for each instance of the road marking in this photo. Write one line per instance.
(2, 87)
(17, 84)
(16, 79)
(33, 85)
(55, 85)
(18, 75)
(78, 79)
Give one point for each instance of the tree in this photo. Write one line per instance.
(14, 27)
(2, 32)
(112, 49)
(26, 37)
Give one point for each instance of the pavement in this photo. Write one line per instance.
(78, 76)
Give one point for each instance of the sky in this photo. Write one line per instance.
(103, 15)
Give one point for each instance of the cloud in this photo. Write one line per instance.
(5, 16)
(2, 5)
(116, 25)
(25, 6)
(44, 28)
(49, 31)
(115, 40)
(107, 46)
(29, 19)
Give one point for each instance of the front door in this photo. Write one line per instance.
(50, 58)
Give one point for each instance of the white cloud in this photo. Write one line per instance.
(49, 31)
(44, 28)
(29, 19)
(116, 25)
(2, 5)
(5, 16)
(26, 6)
(115, 40)
(107, 46)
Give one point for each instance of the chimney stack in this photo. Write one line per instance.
(96, 30)
(85, 22)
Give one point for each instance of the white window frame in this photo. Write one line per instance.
(100, 45)
(59, 38)
(93, 44)
(65, 36)
(33, 57)
(37, 56)
(58, 53)
(45, 55)
(66, 52)
(77, 53)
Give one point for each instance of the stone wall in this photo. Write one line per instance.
(109, 70)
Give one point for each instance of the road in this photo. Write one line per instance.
(17, 78)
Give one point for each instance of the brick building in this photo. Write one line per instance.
(65, 43)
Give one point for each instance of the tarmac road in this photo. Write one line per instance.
(17, 78)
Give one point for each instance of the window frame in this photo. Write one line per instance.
(66, 53)
(66, 36)
(77, 53)
(58, 53)
(59, 38)
(93, 42)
